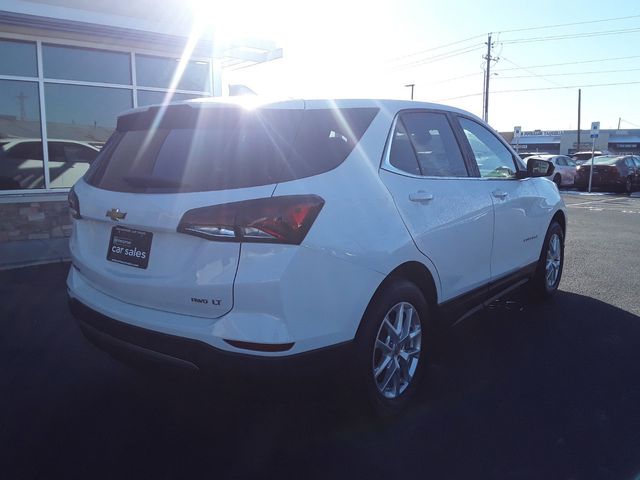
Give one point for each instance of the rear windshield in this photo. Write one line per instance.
(192, 150)
(605, 160)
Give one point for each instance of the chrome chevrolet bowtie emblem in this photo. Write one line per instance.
(115, 214)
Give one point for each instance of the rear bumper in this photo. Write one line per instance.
(600, 182)
(133, 344)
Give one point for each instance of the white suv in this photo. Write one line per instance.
(211, 230)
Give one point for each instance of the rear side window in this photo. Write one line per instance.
(423, 144)
(194, 150)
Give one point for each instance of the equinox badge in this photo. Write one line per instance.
(115, 214)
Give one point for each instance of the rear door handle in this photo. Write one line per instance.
(420, 197)
(499, 194)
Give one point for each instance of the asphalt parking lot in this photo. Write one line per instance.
(527, 390)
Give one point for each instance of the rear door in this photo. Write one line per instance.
(448, 213)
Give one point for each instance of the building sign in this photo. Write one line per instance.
(551, 133)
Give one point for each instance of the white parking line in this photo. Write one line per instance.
(590, 202)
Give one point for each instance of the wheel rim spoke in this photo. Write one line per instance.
(397, 350)
(384, 347)
(554, 260)
(390, 372)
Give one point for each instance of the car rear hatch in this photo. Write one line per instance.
(601, 172)
(165, 208)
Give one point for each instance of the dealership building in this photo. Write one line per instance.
(67, 69)
(565, 142)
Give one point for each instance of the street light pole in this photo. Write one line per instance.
(411, 85)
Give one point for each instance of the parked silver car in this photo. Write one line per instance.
(565, 171)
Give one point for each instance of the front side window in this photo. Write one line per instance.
(493, 158)
(423, 144)
(561, 161)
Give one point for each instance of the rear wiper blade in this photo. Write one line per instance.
(140, 181)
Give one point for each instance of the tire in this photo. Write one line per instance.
(547, 276)
(557, 179)
(389, 392)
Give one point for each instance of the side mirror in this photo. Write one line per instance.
(537, 167)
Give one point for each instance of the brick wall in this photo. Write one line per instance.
(34, 221)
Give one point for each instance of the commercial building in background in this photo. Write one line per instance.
(67, 69)
(565, 142)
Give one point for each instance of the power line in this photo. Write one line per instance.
(457, 78)
(569, 24)
(434, 48)
(543, 88)
(573, 73)
(630, 123)
(541, 27)
(499, 70)
(601, 33)
(437, 58)
(569, 63)
(531, 72)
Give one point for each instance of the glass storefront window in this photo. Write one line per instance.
(89, 65)
(18, 58)
(146, 97)
(21, 159)
(84, 89)
(158, 72)
(79, 121)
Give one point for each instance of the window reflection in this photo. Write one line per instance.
(146, 97)
(72, 63)
(18, 58)
(158, 72)
(79, 121)
(21, 160)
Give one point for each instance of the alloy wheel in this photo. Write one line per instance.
(397, 350)
(554, 260)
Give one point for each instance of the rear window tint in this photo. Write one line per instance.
(191, 150)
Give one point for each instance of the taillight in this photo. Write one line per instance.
(285, 219)
(74, 204)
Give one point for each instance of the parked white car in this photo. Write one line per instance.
(217, 230)
(565, 170)
(22, 162)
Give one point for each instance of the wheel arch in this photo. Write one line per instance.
(413, 271)
(561, 218)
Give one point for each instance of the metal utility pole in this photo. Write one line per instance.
(23, 111)
(411, 85)
(485, 112)
(619, 118)
(579, 99)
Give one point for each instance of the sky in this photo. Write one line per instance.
(372, 49)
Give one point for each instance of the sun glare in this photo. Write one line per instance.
(232, 21)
